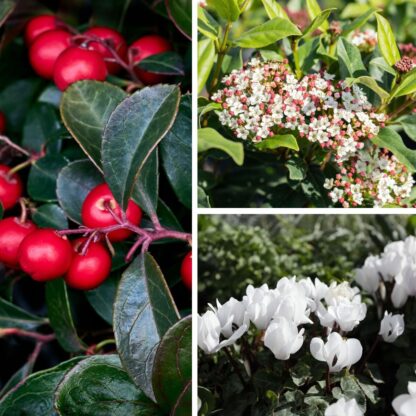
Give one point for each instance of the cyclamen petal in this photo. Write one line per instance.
(344, 408)
(405, 404)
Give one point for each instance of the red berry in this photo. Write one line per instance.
(45, 255)
(114, 39)
(12, 233)
(10, 187)
(145, 47)
(89, 271)
(2, 123)
(39, 25)
(45, 51)
(186, 270)
(76, 64)
(96, 215)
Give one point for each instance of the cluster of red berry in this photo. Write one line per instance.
(45, 255)
(57, 52)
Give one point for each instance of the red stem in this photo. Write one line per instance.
(21, 332)
(14, 146)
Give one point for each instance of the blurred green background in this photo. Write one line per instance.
(237, 250)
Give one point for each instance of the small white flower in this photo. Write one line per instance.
(283, 338)
(391, 327)
(344, 408)
(405, 404)
(337, 352)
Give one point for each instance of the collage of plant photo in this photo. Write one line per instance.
(207, 208)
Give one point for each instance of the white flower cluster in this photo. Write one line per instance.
(396, 266)
(265, 98)
(282, 312)
(365, 40)
(372, 176)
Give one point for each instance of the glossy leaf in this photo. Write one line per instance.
(228, 10)
(43, 174)
(110, 13)
(274, 9)
(358, 22)
(167, 63)
(370, 83)
(133, 131)
(85, 109)
(209, 138)
(267, 33)
(6, 9)
(172, 372)
(143, 312)
(314, 10)
(407, 86)
(102, 298)
(41, 124)
(74, 183)
(99, 386)
(392, 141)
(206, 60)
(317, 22)
(12, 316)
(349, 57)
(60, 316)
(180, 12)
(386, 41)
(17, 377)
(50, 216)
(35, 396)
(283, 140)
(176, 153)
(409, 125)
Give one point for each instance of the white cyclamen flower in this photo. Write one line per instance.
(391, 327)
(344, 408)
(343, 312)
(283, 338)
(209, 332)
(338, 291)
(337, 352)
(405, 404)
(314, 291)
(368, 277)
(232, 312)
(260, 304)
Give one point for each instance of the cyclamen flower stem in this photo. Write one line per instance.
(235, 365)
(328, 381)
(21, 332)
(369, 354)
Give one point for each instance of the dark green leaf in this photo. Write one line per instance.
(209, 138)
(387, 41)
(11, 316)
(133, 131)
(74, 183)
(267, 33)
(172, 372)
(41, 124)
(143, 312)
(110, 13)
(85, 108)
(50, 216)
(60, 316)
(17, 377)
(35, 397)
(283, 140)
(102, 298)
(392, 141)
(51, 95)
(176, 153)
(228, 10)
(16, 99)
(350, 62)
(409, 125)
(99, 386)
(167, 63)
(6, 9)
(41, 184)
(180, 12)
(167, 217)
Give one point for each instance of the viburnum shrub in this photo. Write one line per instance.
(306, 347)
(315, 109)
(95, 198)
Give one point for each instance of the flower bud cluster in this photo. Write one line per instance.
(265, 99)
(372, 176)
(281, 314)
(365, 40)
(396, 266)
